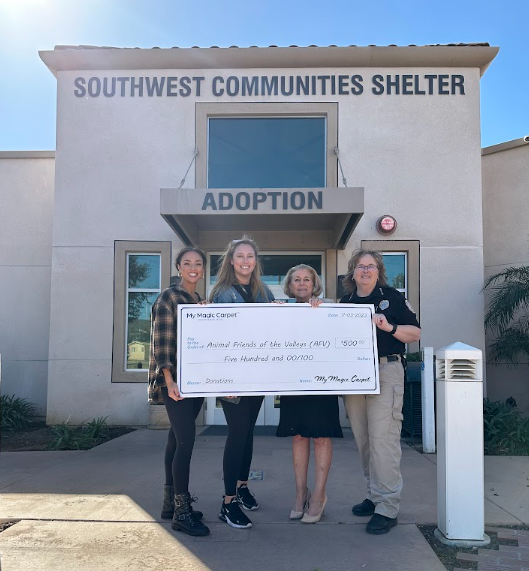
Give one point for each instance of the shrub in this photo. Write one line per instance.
(506, 430)
(80, 437)
(17, 413)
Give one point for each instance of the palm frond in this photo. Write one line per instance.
(512, 345)
(510, 295)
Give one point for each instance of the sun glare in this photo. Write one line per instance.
(17, 8)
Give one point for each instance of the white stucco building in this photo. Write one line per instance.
(90, 232)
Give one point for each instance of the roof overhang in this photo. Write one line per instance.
(505, 146)
(64, 58)
(321, 218)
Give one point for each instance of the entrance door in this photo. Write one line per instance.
(275, 268)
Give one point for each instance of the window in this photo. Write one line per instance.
(144, 276)
(141, 271)
(275, 268)
(397, 270)
(266, 152)
(266, 145)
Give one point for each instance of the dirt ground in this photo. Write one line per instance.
(39, 437)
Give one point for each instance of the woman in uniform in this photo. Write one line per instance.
(305, 417)
(239, 281)
(190, 263)
(376, 420)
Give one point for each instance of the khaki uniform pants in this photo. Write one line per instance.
(376, 421)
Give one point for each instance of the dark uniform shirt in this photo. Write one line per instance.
(163, 338)
(392, 303)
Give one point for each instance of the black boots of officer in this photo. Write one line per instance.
(184, 519)
(168, 503)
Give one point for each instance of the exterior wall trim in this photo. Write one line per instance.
(27, 154)
(505, 146)
(99, 58)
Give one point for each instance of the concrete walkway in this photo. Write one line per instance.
(99, 510)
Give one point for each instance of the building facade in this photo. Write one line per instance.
(305, 149)
(505, 169)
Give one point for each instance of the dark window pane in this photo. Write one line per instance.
(144, 271)
(275, 267)
(266, 152)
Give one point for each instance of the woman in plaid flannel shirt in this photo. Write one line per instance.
(190, 263)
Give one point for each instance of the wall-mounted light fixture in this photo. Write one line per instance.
(386, 225)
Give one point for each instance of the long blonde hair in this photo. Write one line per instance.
(348, 281)
(226, 275)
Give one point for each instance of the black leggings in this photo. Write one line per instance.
(241, 419)
(181, 439)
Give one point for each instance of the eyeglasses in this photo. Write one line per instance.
(370, 268)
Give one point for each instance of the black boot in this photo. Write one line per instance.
(168, 502)
(196, 513)
(183, 519)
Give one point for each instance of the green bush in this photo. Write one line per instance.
(506, 430)
(80, 437)
(17, 413)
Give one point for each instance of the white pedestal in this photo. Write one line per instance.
(460, 464)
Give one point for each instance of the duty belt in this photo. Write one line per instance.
(389, 359)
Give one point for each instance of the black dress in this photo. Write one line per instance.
(309, 416)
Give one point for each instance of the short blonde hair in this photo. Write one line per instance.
(317, 287)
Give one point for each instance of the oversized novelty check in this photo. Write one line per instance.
(271, 349)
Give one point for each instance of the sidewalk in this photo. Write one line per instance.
(99, 510)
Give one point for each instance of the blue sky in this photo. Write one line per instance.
(27, 88)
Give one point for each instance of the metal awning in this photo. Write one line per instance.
(281, 217)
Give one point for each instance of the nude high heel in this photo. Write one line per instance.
(298, 515)
(314, 518)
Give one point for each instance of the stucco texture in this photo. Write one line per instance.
(417, 157)
(506, 244)
(26, 204)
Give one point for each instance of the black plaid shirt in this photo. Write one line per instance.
(163, 338)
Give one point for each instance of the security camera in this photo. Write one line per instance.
(526, 139)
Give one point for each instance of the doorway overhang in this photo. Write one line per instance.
(276, 217)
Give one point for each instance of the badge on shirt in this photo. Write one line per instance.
(408, 305)
(384, 304)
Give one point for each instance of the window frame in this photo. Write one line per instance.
(204, 111)
(122, 248)
(412, 248)
(130, 290)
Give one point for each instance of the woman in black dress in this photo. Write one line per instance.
(306, 417)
